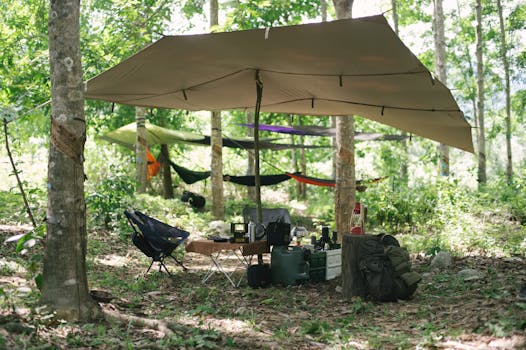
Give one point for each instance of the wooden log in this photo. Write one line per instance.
(353, 284)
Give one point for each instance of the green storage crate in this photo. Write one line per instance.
(318, 263)
(317, 274)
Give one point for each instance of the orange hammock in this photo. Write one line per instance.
(331, 183)
(153, 165)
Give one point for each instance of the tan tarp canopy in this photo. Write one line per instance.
(355, 66)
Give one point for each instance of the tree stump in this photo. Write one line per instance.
(353, 284)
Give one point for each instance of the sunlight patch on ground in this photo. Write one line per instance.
(485, 342)
(15, 229)
(113, 260)
(241, 331)
(12, 266)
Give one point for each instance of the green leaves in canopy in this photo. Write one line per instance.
(249, 14)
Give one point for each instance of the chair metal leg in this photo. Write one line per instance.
(149, 267)
(161, 264)
(179, 262)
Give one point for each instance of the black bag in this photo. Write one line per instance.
(278, 233)
(258, 276)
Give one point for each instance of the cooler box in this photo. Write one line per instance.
(333, 268)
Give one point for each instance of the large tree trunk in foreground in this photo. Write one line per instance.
(64, 282)
(440, 68)
(345, 176)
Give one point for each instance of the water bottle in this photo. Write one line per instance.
(251, 232)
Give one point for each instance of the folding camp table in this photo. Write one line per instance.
(221, 252)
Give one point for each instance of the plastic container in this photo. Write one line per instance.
(288, 266)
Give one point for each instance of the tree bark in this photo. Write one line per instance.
(217, 167)
(251, 190)
(405, 151)
(216, 143)
(440, 67)
(168, 188)
(345, 174)
(141, 163)
(506, 65)
(64, 280)
(323, 9)
(294, 158)
(480, 97)
(343, 8)
(353, 284)
(303, 165)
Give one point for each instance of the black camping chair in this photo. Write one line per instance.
(155, 239)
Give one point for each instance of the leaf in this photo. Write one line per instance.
(38, 281)
(14, 238)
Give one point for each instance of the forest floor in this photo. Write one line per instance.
(157, 311)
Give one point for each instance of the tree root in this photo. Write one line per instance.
(161, 326)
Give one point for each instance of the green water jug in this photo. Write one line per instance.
(288, 266)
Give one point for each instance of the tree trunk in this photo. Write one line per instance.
(251, 190)
(440, 68)
(480, 98)
(505, 63)
(345, 177)
(216, 143)
(168, 188)
(141, 163)
(323, 8)
(405, 151)
(303, 164)
(468, 77)
(343, 8)
(218, 208)
(294, 158)
(353, 283)
(64, 280)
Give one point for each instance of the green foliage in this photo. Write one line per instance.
(270, 13)
(107, 201)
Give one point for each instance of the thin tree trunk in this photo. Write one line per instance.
(468, 78)
(440, 67)
(167, 173)
(141, 163)
(64, 279)
(303, 163)
(323, 8)
(251, 191)
(294, 158)
(216, 142)
(405, 151)
(507, 91)
(343, 8)
(345, 173)
(480, 97)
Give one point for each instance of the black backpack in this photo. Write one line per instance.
(386, 269)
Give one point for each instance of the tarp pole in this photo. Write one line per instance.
(257, 178)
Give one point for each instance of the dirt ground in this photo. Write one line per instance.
(158, 311)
